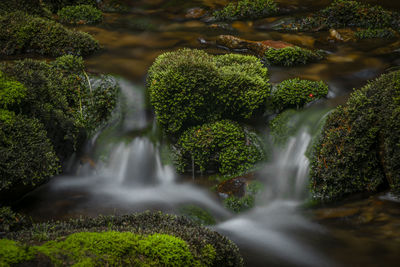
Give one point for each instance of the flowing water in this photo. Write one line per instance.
(128, 166)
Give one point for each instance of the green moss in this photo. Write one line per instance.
(375, 33)
(145, 239)
(12, 253)
(223, 146)
(358, 148)
(348, 13)
(21, 33)
(197, 214)
(241, 204)
(190, 87)
(34, 7)
(11, 92)
(291, 56)
(27, 157)
(247, 9)
(56, 5)
(295, 93)
(80, 14)
(281, 127)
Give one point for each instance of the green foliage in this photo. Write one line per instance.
(80, 14)
(56, 5)
(375, 33)
(33, 7)
(247, 9)
(291, 56)
(12, 253)
(281, 127)
(11, 221)
(359, 144)
(69, 63)
(26, 156)
(11, 92)
(295, 93)
(21, 33)
(222, 146)
(190, 87)
(197, 214)
(348, 13)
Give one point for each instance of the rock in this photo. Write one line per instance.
(256, 47)
(195, 13)
(334, 35)
(234, 187)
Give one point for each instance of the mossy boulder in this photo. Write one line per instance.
(23, 33)
(190, 87)
(347, 13)
(375, 33)
(146, 239)
(358, 150)
(295, 93)
(80, 14)
(27, 158)
(223, 146)
(247, 9)
(291, 56)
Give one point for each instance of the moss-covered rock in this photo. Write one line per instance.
(247, 9)
(358, 150)
(190, 87)
(291, 56)
(146, 239)
(23, 33)
(80, 14)
(348, 13)
(375, 33)
(12, 253)
(197, 214)
(223, 147)
(295, 93)
(27, 158)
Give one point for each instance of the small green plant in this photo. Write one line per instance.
(241, 204)
(295, 93)
(223, 146)
(11, 221)
(291, 56)
(80, 14)
(247, 9)
(375, 33)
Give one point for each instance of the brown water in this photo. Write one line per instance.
(355, 233)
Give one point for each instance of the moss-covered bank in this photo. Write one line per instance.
(359, 149)
(146, 239)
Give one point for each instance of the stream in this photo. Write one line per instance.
(128, 167)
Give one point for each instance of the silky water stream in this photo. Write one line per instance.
(128, 166)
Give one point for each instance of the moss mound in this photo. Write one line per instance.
(80, 14)
(46, 112)
(190, 87)
(348, 13)
(146, 239)
(247, 9)
(358, 150)
(12, 253)
(223, 146)
(295, 93)
(22, 33)
(291, 56)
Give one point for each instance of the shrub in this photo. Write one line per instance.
(222, 146)
(375, 33)
(295, 93)
(190, 87)
(358, 148)
(247, 9)
(22, 33)
(27, 157)
(81, 14)
(290, 56)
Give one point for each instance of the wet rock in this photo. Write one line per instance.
(233, 187)
(256, 47)
(195, 13)
(335, 35)
(341, 35)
